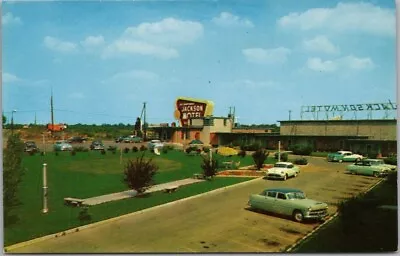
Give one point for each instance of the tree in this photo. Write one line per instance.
(259, 158)
(4, 120)
(209, 167)
(138, 174)
(12, 176)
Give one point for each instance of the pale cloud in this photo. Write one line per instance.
(9, 18)
(260, 55)
(167, 31)
(320, 44)
(317, 64)
(123, 47)
(93, 41)
(10, 78)
(226, 19)
(157, 39)
(351, 17)
(136, 74)
(58, 45)
(349, 62)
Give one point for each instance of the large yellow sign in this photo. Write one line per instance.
(186, 108)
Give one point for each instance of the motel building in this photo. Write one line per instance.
(367, 136)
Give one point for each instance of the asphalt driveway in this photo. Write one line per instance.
(217, 222)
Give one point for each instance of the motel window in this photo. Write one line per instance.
(208, 121)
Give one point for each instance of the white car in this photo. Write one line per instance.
(283, 170)
(343, 156)
(155, 144)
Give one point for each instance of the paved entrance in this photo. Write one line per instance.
(132, 193)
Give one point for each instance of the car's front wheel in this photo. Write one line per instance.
(285, 177)
(375, 174)
(298, 216)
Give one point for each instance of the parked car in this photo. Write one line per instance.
(30, 146)
(289, 201)
(119, 139)
(155, 143)
(62, 146)
(370, 167)
(283, 170)
(77, 139)
(96, 145)
(132, 139)
(343, 156)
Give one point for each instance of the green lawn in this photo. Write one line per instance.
(364, 229)
(89, 174)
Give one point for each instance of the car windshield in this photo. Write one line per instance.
(296, 195)
(280, 165)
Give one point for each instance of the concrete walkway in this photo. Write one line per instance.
(132, 193)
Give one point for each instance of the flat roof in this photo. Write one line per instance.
(284, 190)
(337, 121)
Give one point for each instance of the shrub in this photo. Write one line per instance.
(135, 149)
(251, 147)
(79, 149)
(126, 150)
(206, 149)
(85, 150)
(112, 148)
(284, 156)
(103, 152)
(242, 153)
(301, 149)
(169, 147)
(301, 161)
(73, 152)
(165, 150)
(143, 148)
(259, 158)
(209, 167)
(42, 153)
(32, 153)
(84, 215)
(56, 153)
(391, 160)
(191, 148)
(138, 174)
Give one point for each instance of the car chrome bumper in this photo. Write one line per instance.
(275, 176)
(316, 214)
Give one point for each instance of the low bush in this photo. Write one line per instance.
(79, 149)
(73, 152)
(143, 148)
(251, 147)
(206, 149)
(301, 149)
(112, 148)
(301, 161)
(165, 150)
(242, 153)
(56, 153)
(126, 150)
(284, 156)
(191, 148)
(391, 160)
(259, 158)
(135, 149)
(103, 152)
(169, 147)
(31, 153)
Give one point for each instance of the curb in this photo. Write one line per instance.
(323, 224)
(79, 228)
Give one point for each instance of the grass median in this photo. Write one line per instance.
(89, 174)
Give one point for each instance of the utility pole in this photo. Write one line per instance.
(52, 113)
(12, 121)
(144, 122)
(279, 151)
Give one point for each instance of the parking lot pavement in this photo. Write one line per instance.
(216, 222)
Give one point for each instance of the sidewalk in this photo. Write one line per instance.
(132, 193)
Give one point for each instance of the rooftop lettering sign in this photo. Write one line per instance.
(186, 108)
(350, 107)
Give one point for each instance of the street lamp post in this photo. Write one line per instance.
(12, 121)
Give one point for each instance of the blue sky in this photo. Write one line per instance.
(104, 59)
